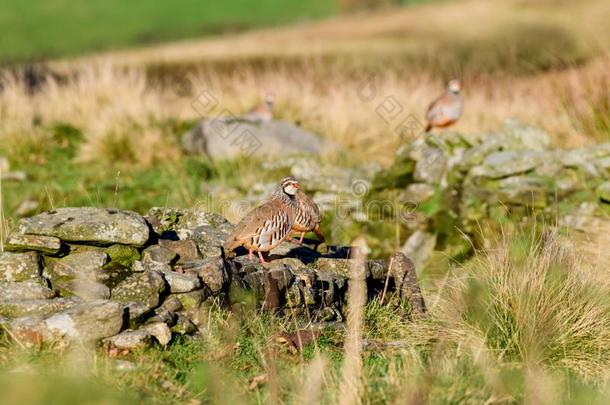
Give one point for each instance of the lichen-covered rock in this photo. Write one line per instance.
(81, 274)
(516, 135)
(184, 325)
(502, 164)
(431, 164)
(25, 290)
(122, 254)
(160, 331)
(184, 250)
(209, 240)
(130, 339)
(182, 221)
(85, 322)
(211, 271)
(19, 266)
(45, 244)
(528, 191)
(83, 288)
(194, 218)
(40, 307)
(191, 300)
(158, 254)
(281, 277)
(92, 225)
(140, 288)
(342, 268)
(182, 282)
(87, 264)
(163, 219)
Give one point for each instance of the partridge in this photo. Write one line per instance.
(262, 112)
(447, 109)
(307, 217)
(265, 227)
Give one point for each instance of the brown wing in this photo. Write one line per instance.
(247, 227)
(262, 228)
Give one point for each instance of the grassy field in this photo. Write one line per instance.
(41, 29)
(527, 321)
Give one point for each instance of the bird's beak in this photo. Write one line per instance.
(296, 185)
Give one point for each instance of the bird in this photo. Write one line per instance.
(262, 112)
(307, 218)
(268, 225)
(446, 109)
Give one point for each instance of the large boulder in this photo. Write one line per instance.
(100, 226)
(229, 137)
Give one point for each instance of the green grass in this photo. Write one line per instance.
(37, 29)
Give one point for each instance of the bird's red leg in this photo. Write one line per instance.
(302, 236)
(250, 257)
(260, 256)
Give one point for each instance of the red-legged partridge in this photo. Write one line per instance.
(307, 218)
(267, 225)
(262, 112)
(447, 109)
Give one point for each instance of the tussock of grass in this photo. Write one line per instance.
(537, 307)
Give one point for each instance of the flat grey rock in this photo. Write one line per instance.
(45, 244)
(25, 290)
(29, 307)
(141, 288)
(100, 226)
(85, 322)
(130, 339)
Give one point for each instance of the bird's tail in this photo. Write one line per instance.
(318, 232)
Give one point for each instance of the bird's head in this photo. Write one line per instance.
(454, 86)
(290, 185)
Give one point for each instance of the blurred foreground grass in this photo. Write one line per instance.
(522, 323)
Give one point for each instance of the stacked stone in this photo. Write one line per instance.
(93, 274)
(460, 182)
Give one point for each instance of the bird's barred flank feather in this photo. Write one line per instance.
(269, 224)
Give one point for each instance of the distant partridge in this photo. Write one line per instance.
(267, 225)
(307, 217)
(262, 112)
(447, 109)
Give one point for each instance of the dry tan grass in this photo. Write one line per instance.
(118, 109)
(114, 107)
